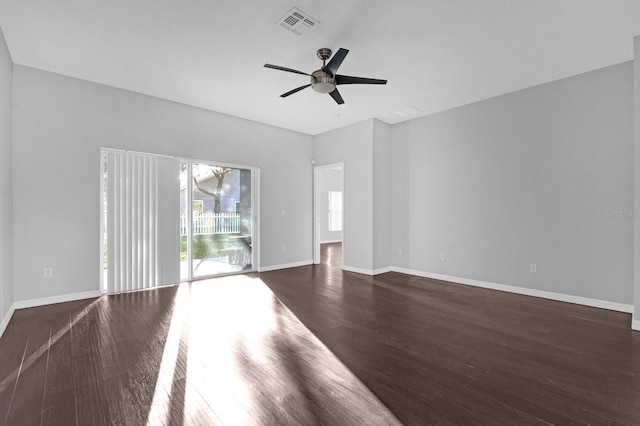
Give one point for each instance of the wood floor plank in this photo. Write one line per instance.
(11, 356)
(86, 364)
(59, 405)
(561, 363)
(317, 345)
(31, 382)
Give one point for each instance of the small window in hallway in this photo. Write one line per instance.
(335, 210)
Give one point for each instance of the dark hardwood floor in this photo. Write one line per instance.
(223, 351)
(443, 353)
(316, 345)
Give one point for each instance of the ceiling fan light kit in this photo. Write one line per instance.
(326, 78)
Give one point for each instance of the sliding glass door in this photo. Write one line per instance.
(216, 219)
(165, 220)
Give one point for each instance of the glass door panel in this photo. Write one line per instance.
(215, 220)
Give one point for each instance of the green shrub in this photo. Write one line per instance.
(204, 246)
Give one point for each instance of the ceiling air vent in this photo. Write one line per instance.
(297, 22)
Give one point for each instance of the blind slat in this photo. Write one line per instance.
(132, 221)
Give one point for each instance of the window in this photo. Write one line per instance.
(335, 210)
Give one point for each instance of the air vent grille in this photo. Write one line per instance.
(406, 112)
(297, 22)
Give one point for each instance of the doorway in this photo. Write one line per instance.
(329, 202)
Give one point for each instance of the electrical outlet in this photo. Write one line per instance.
(284, 248)
(283, 212)
(443, 257)
(399, 252)
(533, 268)
(48, 272)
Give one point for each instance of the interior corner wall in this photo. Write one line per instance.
(59, 125)
(382, 199)
(353, 146)
(401, 186)
(543, 175)
(636, 179)
(6, 180)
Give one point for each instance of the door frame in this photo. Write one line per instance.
(255, 217)
(317, 202)
(255, 211)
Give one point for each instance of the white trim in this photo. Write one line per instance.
(21, 304)
(102, 285)
(331, 241)
(357, 270)
(255, 212)
(6, 319)
(370, 272)
(635, 325)
(382, 270)
(285, 266)
(579, 300)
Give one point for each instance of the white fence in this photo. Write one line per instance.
(212, 223)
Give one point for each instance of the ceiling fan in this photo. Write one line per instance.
(325, 79)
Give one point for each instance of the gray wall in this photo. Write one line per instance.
(400, 195)
(365, 150)
(382, 202)
(6, 180)
(543, 175)
(59, 125)
(330, 180)
(353, 146)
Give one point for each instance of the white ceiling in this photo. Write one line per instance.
(436, 54)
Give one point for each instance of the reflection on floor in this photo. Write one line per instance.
(222, 351)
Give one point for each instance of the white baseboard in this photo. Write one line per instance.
(285, 266)
(596, 303)
(382, 270)
(357, 270)
(21, 304)
(635, 325)
(6, 319)
(330, 241)
(367, 271)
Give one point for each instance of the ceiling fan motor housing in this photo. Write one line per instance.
(322, 82)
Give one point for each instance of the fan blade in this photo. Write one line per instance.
(276, 67)
(296, 90)
(336, 97)
(335, 62)
(347, 79)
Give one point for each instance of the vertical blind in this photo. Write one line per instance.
(132, 221)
